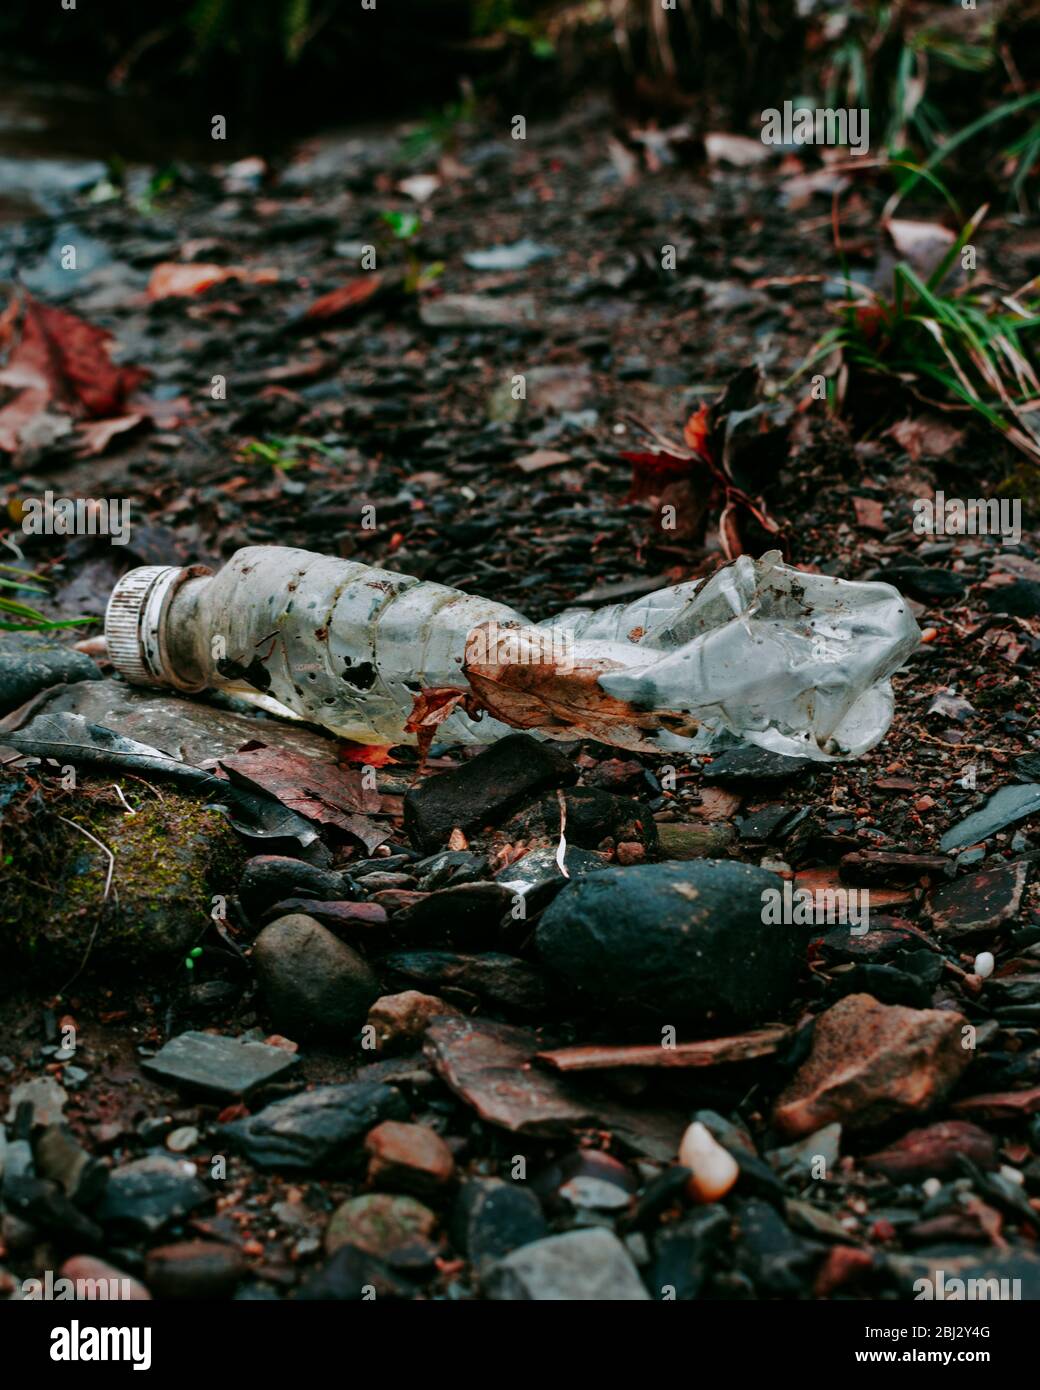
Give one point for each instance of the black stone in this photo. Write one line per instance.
(682, 939)
(750, 766)
(267, 878)
(491, 975)
(144, 1196)
(484, 789)
(684, 1253)
(492, 1218)
(319, 1130)
(30, 662)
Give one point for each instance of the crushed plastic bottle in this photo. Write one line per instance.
(796, 663)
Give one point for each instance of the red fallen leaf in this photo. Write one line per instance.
(653, 470)
(349, 296)
(698, 429)
(177, 280)
(94, 436)
(431, 707)
(370, 754)
(61, 360)
(321, 790)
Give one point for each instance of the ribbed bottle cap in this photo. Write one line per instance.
(133, 623)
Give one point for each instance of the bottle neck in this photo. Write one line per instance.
(183, 638)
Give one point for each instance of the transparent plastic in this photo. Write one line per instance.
(797, 663)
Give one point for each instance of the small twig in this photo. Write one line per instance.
(111, 856)
(561, 848)
(119, 792)
(108, 884)
(957, 747)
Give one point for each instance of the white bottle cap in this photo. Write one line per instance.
(134, 624)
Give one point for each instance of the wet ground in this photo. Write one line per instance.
(404, 401)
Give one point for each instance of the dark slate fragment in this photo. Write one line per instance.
(492, 1218)
(484, 789)
(751, 766)
(684, 1252)
(219, 1065)
(30, 662)
(144, 1196)
(490, 975)
(981, 902)
(1009, 804)
(319, 1130)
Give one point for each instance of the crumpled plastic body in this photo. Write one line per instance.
(793, 662)
(797, 663)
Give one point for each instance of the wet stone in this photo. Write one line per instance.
(219, 1065)
(934, 1151)
(92, 1270)
(750, 766)
(467, 912)
(312, 983)
(694, 839)
(484, 1064)
(144, 1196)
(194, 1269)
(579, 1266)
(409, 1158)
(351, 1274)
(400, 1020)
(269, 878)
(684, 1252)
(1003, 808)
(492, 1218)
(536, 876)
(592, 817)
(449, 868)
(318, 1130)
(59, 1157)
(380, 1224)
(688, 938)
(871, 1063)
(491, 975)
(980, 902)
(483, 789)
(30, 662)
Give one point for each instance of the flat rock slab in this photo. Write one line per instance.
(886, 867)
(488, 1065)
(194, 732)
(980, 902)
(750, 767)
(1009, 804)
(319, 1130)
(219, 1065)
(579, 1266)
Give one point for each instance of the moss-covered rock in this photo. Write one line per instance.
(171, 857)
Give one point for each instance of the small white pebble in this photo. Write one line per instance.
(713, 1169)
(931, 1186)
(984, 964)
(1012, 1174)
